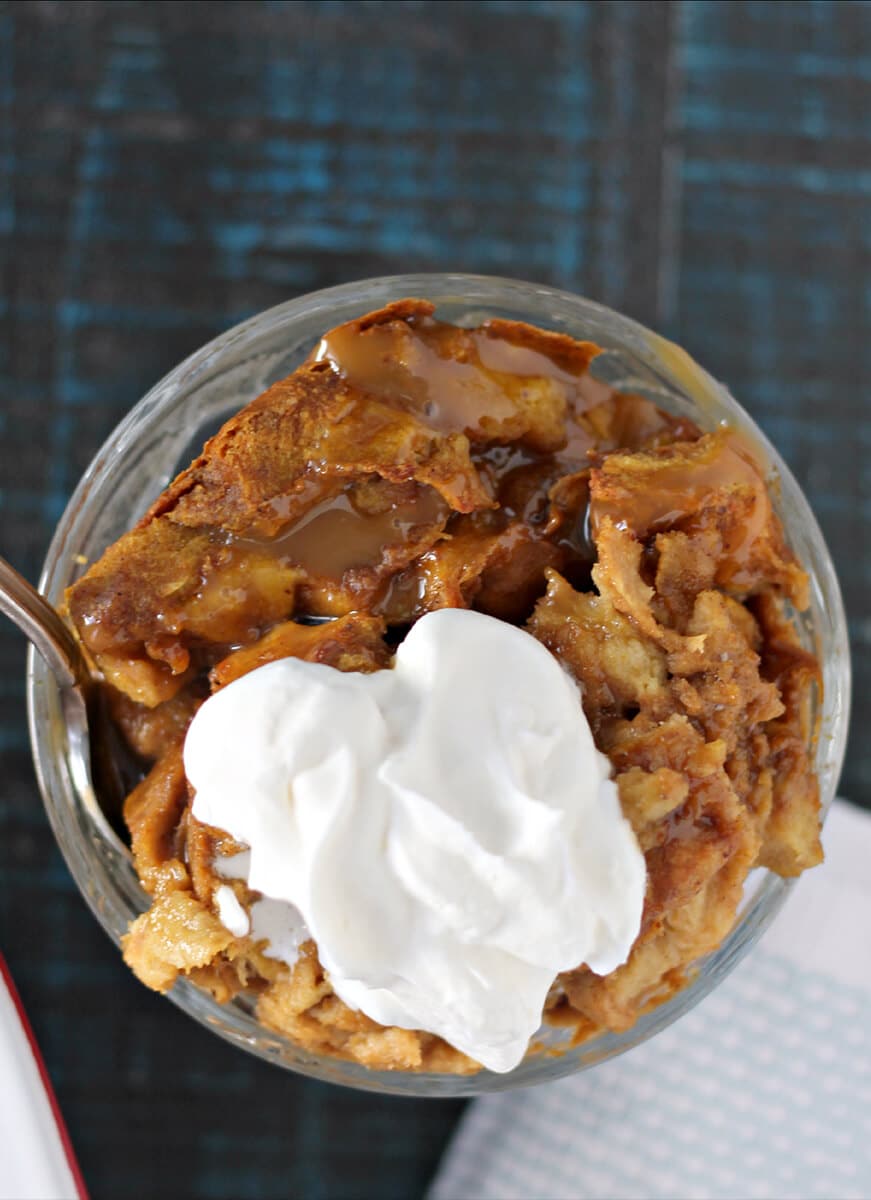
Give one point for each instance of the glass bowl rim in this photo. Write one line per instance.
(441, 288)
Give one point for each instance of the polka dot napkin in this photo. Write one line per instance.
(762, 1090)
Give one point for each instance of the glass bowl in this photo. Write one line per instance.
(167, 428)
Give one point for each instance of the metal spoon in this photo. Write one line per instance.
(38, 621)
(100, 781)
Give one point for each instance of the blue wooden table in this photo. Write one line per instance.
(168, 169)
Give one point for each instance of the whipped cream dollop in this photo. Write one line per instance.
(446, 830)
(276, 922)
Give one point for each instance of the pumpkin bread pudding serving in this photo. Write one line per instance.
(466, 694)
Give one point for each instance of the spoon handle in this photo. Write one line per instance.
(36, 618)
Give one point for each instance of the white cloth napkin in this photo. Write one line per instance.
(762, 1090)
(36, 1159)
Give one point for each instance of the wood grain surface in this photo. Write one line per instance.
(168, 169)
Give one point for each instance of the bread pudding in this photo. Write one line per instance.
(410, 466)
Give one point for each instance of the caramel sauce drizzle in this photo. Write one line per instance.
(473, 380)
(455, 379)
(335, 537)
(677, 493)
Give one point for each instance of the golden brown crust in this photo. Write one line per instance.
(617, 667)
(177, 934)
(153, 814)
(710, 486)
(351, 643)
(166, 589)
(567, 353)
(791, 840)
(148, 731)
(700, 702)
